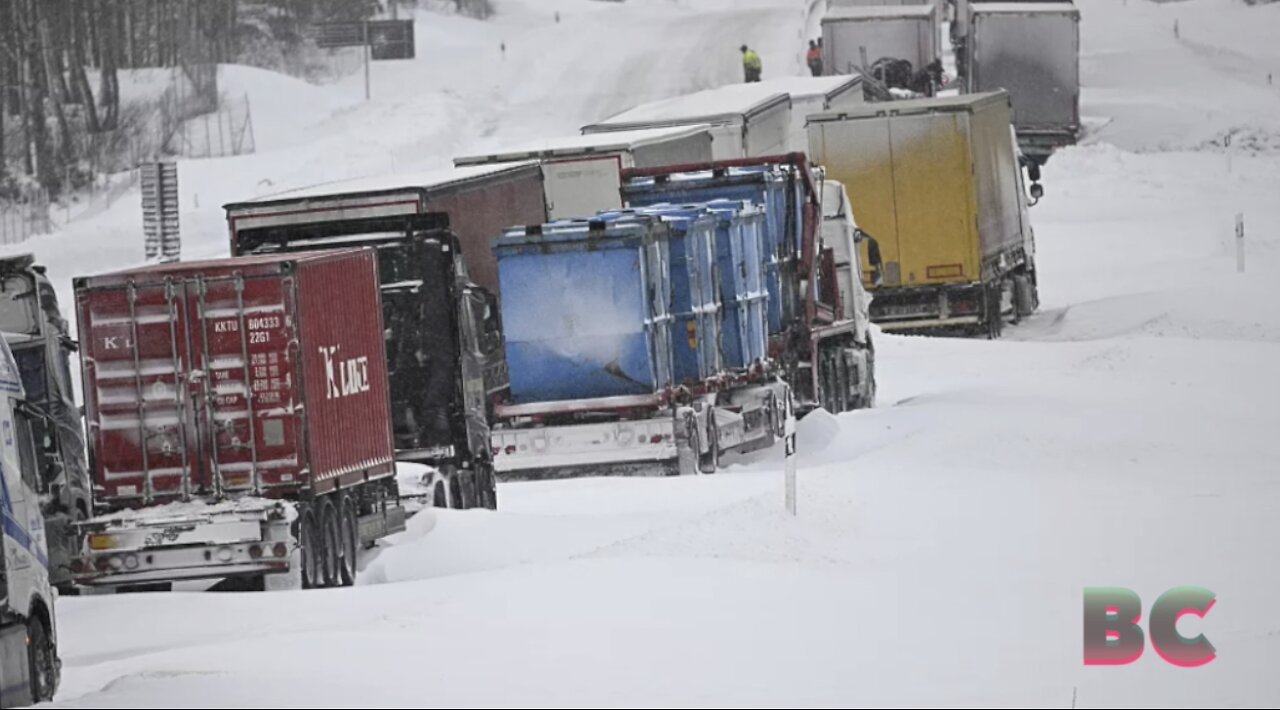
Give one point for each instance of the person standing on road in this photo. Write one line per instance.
(814, 58)
(751, 64)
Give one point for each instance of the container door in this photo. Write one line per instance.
(936, 215)
(139, 366)
(757, 296)
(243, 383)
(701, 242)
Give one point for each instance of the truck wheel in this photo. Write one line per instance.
(332, 549)
(709, 462)
(440, 498)
(309, 541)
(995, 319)
(455, 492)
(1023, 300)
(350, 542)
(688, 448)
(41, 655)
(488, 488)
(470, 490)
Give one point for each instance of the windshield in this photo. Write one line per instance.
(18, 307)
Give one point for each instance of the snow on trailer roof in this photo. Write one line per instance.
(613, 142)
(800, 87)
(115, 278)
(1019, 8)
(941, 104)
(721, 105)
(879, 12)
(434, 179)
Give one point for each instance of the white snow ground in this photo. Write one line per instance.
(1122, 437)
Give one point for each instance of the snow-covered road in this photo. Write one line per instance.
(1125, 436)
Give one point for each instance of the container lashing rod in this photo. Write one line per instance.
(209, 393)
(248, 389)
(141, 398)
(170, 295)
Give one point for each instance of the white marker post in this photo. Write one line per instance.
(789, 439)
(1240, 242)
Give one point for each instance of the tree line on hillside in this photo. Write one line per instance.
(61, 60)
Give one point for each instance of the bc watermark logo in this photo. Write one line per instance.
(1113, 636)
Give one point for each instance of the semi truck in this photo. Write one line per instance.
(444, 335)
(39, 338)
(906, 32)
(1031, 50)
(636, 343)
(745, 123)
(940, 192)
(239, 421)
(480, 201)
(817, 317)
(30, 669)
(581, 174)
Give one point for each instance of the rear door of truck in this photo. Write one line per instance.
(190, 385)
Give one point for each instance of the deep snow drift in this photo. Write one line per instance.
(1124, 436)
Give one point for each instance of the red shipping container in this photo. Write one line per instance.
(262, 375)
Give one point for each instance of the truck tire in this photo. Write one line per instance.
(331, 527)
(310, 543)
(995, 319)
(440, 497)
(350, 542)
(470, 490)
(488, 488)
(710, 461)
(688, 447)
(1023, 298)
(42, 656)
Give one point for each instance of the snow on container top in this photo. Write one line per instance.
(775, 188)
(587, 308)
(257, 375)
(740, 267)
(745, 120)
(636, 143)
(695, 304)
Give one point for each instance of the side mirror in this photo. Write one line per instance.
(1033, 172)
(1037, 191)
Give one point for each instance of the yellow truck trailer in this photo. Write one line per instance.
(937, 186)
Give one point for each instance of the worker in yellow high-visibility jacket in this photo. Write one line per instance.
(751, 65)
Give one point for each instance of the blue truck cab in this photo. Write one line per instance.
(29, 666)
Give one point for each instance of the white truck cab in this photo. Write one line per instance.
(29, 666)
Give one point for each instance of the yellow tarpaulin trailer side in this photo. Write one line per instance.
(933, 181)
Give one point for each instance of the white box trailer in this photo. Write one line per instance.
(813, 95)
(1031, 50)
(909, 32)
(745, 121)
(582, 174)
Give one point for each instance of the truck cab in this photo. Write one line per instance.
(445, 350)
(39, 338)
(29, 666)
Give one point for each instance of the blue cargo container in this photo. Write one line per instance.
(586, 308)
(740, 268)
(775, 188)
(695, 301)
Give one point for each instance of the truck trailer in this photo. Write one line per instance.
(480, 202)
(637, 344)
(939, 191)
(444, 339)
(30, 669)
(745, 122)
(40, 340)
(809, 95)
(817, 310)
(907, 32)
(581, 174)
(1031, 50)
(238, 411)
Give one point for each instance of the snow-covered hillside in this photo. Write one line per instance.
(1121, 437)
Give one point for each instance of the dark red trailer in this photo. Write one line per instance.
(220, 386)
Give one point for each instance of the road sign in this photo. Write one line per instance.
(160, 211)
(387, 39)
